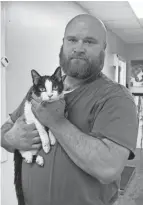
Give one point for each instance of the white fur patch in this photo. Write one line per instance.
(48, 86)
(30, 118)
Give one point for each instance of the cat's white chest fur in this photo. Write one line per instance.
(29, 116)
(46, 138)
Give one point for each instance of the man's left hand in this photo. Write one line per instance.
(49, 113)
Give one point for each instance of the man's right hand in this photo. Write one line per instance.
(23, 136)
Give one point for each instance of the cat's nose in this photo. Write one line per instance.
(50, 95)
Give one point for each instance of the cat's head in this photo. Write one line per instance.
(48, 87)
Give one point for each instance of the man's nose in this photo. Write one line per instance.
(79, 47)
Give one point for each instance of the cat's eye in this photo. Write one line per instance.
(42, 89)
(55, 87)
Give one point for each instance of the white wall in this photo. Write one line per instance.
(34, 32)
(6, 167)
(134, 51)
(114, 46)
(34, 37)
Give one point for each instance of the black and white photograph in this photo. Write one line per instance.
(71, 102)
(136, 77)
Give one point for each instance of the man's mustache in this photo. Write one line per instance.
(79, 56)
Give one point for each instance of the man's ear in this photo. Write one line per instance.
(105, 45)
(102, 58)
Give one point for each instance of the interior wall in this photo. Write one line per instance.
(34, 37)
(134, 51)
(34, 32)
(114, 46)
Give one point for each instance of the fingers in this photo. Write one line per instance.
(31, 127)
(38, 99)
(62, 100)
(36, 146)
(21, 118)
(44, 103)
(36, 140)
(34, 103)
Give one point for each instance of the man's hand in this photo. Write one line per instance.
(49, 113)
(23, 136)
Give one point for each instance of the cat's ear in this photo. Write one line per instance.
(35, 76)
(58, 74)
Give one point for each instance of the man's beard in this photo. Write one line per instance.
(78, 66)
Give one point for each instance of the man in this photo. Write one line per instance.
(96, 139)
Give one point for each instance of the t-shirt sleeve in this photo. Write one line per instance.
(18, 111)
(118, 122)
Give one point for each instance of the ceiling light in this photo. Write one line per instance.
(137, 7)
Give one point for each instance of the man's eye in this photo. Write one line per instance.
(72, 40)
(88, 42)
(42, 89)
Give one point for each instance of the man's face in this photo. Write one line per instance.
(82, 53)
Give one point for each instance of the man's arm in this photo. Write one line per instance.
(16, 134)
(103, 160)
(4, 141)
(6, 136)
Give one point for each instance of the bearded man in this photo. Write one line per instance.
(96, 139)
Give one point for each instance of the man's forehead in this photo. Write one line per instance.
(86, 26)
(81, 30)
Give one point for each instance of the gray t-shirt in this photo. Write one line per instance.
(103, 108)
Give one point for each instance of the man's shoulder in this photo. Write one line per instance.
(106, 89)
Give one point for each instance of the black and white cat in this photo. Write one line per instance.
(48, 88)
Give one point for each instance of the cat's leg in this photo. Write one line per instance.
(40, 160)
(43, 136)
(52, 138)
(27, 155)
(30, 118)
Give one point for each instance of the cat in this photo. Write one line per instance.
(49, 88)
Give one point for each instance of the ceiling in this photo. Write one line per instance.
(119, 17)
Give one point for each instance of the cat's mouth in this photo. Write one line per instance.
(52, 99)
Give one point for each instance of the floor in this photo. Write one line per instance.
(134, 191)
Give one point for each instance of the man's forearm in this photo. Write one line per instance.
(6, 127)
(87, 152)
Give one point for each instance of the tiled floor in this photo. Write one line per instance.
(134, 192)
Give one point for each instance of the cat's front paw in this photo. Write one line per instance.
(28, 157)
(29, 161)
(46, 147)
(52, 138)
(40, 160)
